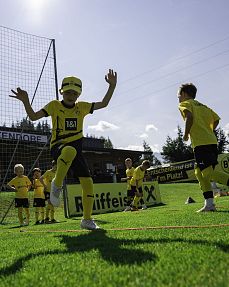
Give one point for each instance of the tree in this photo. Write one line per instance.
(39, 127)
(46, 127)
(150, 156)
(176, 150)
(25, 124)
(107, 142)
(222, 140)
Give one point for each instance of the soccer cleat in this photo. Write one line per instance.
(55, 194)
(89, 224)
(144, 206)
(134, 208)
(37, 222)
(128, 208)
(207, 208)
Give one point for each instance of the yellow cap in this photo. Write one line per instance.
(71, 83)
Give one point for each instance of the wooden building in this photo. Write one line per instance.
(31, 149)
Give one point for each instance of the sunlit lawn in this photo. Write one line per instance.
(47, 255)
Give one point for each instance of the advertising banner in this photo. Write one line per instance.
(27, 137)
(108, 197)
(179, 171)
(184, 171)
(223, 163)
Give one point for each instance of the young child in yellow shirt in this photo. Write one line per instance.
(21, 185)
(39, 197)
(46, 180)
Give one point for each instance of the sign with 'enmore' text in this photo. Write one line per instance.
(7, 135)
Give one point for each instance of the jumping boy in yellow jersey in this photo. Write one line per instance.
(200, 123)
(46, 180)
(67, 133)
(136, 184)
(129, 174)
(39, 196)
(21, 185)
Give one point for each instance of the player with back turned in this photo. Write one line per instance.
(67, 134)
(200, 124)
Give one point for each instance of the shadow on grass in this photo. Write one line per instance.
(113, 250)
(15, 227)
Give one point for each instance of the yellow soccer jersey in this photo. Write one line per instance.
(138, 175)
(22, 185)
(201, 132)
(38, 189)
(67, 123)
(48, 177)
(129, 172)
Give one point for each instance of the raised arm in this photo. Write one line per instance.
(111, 79)
(23, 96)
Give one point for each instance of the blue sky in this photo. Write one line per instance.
(153, 45)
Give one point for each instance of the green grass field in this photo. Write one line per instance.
(47, 255)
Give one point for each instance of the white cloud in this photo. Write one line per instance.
(133, 147)
(155, 148)
(143, 136)
(150, 127)
(103, 126)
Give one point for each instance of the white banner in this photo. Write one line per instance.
(6, 135)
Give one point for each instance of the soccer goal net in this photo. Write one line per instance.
(28, 62)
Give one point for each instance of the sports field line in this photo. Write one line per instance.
(128, 228)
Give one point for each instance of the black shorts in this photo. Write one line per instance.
(134, 189)
(130, 193)
(206, 155)
(22, 202)
(39, 202)
(79, 166)
(47, 195)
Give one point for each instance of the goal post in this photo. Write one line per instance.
(29, 62)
